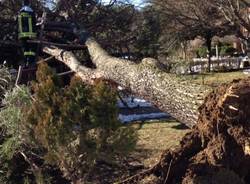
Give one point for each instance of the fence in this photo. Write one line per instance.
(218, 64)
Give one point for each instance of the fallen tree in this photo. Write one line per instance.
(216, 150)
(180, 98)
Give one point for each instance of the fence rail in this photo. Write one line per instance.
(218, 64)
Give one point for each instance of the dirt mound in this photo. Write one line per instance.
(217, 150)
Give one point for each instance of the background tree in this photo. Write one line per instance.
(185, 20)
(147, 30)
(106, 22)
(235, 11)
(109, 23)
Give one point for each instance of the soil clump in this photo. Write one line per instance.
(217, 150)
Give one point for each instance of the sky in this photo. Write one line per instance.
(135, 2)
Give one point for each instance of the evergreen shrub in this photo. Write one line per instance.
(76, 124)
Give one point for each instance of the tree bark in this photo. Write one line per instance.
(180, 98)
(209, 50)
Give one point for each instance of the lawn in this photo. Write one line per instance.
(217, 78)
(155, 137)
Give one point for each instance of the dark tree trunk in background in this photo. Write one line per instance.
(209, 50)
(180, 98)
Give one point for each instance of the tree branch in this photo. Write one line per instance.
(181, 99)
(68, 58)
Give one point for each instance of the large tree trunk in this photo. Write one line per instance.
(180, 98)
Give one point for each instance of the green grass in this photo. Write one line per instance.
(215, 79)
(155, 137)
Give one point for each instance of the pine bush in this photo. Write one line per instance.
(15, 140)
(13, 131)
(11, 121)
(5, 81)
(76, 124)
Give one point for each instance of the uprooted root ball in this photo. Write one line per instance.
(217, 150)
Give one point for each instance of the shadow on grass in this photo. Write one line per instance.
(141, 153)
(180, 127)
(176, 124)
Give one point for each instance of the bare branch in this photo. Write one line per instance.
(68, 58)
